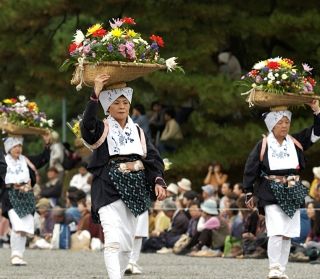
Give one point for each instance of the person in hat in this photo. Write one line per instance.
(208, 192)
(184, 185)
(18, 201)
(275, 164)
(172, 190)
(315, 182)
(127, 171)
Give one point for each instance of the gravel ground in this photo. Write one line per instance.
(90, 265)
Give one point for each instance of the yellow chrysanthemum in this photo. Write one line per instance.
(7, 101)
(32, 106)
(285, 64)
(131, 33)
(93, 29)
(116, 32)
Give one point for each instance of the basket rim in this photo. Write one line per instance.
(125, 64)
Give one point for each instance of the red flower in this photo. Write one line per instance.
(128, 20)
(72, 47)
(311, 81)
(253, 73)
(289, 61)
(99, 33)
(13, 100)
(273, 65)
(158, 40)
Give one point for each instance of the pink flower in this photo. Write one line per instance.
(116, 23)
(306, 67)
(122, 49)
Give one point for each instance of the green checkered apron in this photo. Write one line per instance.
(132, 186)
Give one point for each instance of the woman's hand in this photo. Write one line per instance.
(161, 193)
(99, 82)
(315, 106)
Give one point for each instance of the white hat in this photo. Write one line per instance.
(173, 188)
(224, 57)
(185, 184)
(273, 117)
(107, 97)
(316, 172)
(210, 207)
(11, 142)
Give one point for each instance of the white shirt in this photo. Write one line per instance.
(81, 182)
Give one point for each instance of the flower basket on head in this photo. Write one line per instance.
(119, 52)
(270, 82)
(18, 116)
(120, 72)
(268, 99)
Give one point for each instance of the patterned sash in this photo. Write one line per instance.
(22, 203)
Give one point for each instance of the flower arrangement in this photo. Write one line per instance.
(280, 75)
(119, 43)
(23, 113)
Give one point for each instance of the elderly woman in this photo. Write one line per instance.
(275, 164)
(127, 172)
(18, 201)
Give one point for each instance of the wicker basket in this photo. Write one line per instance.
(120, 72)
(17, 130)
(266, 99)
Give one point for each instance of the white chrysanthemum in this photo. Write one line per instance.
(21, 98)
(50, 122)
(106, 37)
(284, 76)
(276, 59)
(277, 82)
(78, 37)
(259, 65)
(171, 63)
(271, 76)
(276, 74)
(140, 40)
(270, 81)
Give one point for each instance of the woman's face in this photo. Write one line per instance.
(310, 211)
(194, 211)
(119, 109)
(16, 151)
(281, 129)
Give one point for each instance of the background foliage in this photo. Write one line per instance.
(35, 35)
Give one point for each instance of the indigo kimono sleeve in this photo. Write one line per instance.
(252, 169)
(153, 163)
(91, 127)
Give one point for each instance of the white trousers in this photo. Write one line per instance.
(119, 227)
(25, 225)
(278, 252)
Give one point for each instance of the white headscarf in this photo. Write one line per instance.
(274, 117)
(11, 142)
(107, 97)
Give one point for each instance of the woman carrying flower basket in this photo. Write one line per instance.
(127, 171)
(18, 203)
(272, 175)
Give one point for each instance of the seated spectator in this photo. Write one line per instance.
(184, 185)
(56, 153)
(215, 176)
(162, 222)
(81, 180)
(72, 213)
(208, 192)
(212, 231)
(156, 121)
(53, 187)
(167, 239)
(226, 191)
(317, 193)
(238, 190)
(44, 224)
(229, 65)
(188, 198)
(172, 190)
(61, 235)
(139, 117)
(171, 135)
(254, 237)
